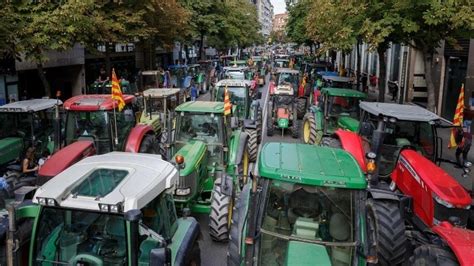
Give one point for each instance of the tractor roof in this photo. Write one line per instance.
(33, 105)
(343, 92)
(337, 78)
(233, 83)
(201, 107)
(94, 102)
(236, 68)
(281, 60)
(409, 112)
(128, 179)
(160, 93)
(310, 165)
(150, 73)
(287, 70)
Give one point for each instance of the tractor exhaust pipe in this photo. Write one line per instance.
(377, 140)
(12, 243)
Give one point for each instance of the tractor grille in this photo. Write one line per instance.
(184, 182)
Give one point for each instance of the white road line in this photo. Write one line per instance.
(264, 123)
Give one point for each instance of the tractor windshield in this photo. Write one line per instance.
(322, 215)
(402, 134)
(287, 79)
(15, 125)
(74, 237)
(343, 106)
(151, 81)
(99, 127)
(238, 95)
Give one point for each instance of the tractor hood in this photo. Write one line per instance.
(301, 253)
(10, 149)
(193, 152)
(348, 123)
(66, 157)
(460, 240)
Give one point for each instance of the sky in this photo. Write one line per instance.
(279, 6)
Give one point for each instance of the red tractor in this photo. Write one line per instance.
(428, 209)
(92, 127)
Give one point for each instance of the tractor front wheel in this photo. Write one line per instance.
(149, 145)
(219, 218)
(331, 142)
(386, 232)
(309, 129)
(252, 144)
(300, 107)
(432, 255)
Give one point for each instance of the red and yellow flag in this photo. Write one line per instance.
(117, 92)
(458, 118)
(227, 103)
(301, 88)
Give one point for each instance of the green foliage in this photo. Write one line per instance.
(296, 29)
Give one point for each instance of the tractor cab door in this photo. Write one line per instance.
(439, 128)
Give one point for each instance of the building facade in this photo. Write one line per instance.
(279, 22)
(265, 16)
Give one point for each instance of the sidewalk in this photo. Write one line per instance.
(448, 154)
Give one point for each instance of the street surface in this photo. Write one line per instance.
(215, 254)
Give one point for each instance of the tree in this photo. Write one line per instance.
(430, 22)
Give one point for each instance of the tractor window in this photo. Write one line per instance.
(89, 125)
(238, 95)
(204, 127)
(15, 125)
(346, 106)
(288, 80)
(321, 215)
(70, 237)
(125, 122)
(100, 182)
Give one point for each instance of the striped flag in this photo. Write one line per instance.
(458, 118)
(117, 92)
(227, 104)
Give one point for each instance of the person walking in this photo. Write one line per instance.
(194, 92)
(464, 143)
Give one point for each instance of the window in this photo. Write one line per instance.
(395, 66)
(100, 182)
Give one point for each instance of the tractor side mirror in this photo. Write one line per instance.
(160, 256)
(366, 129)
(234, 122)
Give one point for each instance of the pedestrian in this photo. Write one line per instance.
(44, 157)
(194, 92)
(464, 142)
(28, 164)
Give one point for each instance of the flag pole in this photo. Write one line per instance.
(115, 122)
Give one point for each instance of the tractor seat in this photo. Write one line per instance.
(340, 231)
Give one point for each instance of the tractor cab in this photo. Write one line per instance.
(286, 80)
(334, 81)
(112, 209)
(152, 79)
(303, 209)
(105, 87)
(158, 103)
(28, 123)
(239, 92)
(238, 73)
(281, 63)
(389, 128)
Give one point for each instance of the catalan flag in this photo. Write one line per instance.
(227, 104)
(117, 92)
(458, 118)
(301, 89)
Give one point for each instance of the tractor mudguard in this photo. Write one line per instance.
(460, 240)
(187, 242)
(136, 136)
(227, 185)
(382, 194)
(238, 142)
(64, 158)
(352, 143)
(249, 123)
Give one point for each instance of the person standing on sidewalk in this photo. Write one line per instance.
(194, 92)
(464, 142)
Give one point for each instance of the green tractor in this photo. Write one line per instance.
(336, 108)
(105, 87)
(28, 123)
(306, 208)
(246, 107)
(214, 160)
(112, 209)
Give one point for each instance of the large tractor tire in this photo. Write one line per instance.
(295, 129)
(259, 122)
(270, 126)
(252, 144)
(386, 230)
(219, 221)
(431, 255)
(149, 145)
(310, 134)
(234, 258)
(331, 142)
(300, 108)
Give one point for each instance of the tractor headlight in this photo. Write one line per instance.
(113, 208)
(183, 191)
(443, 202)
(370, 162)
(46, 201)
(42, 201)
(50, 202)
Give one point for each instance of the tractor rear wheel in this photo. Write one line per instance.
(429, 255)
(295, 129)
(309, 129)
(149, 145)
(300, 107)
(236, 228)
(386, 231)
(270, 127)
(252, 144)
(331, 142)
(219, 221)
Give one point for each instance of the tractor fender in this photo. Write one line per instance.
(238, 142)
(379, 194)
(459, 240)
(352, 143)
(136, 136)
(187, 242)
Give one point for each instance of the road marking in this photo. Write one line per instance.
(264, 122)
